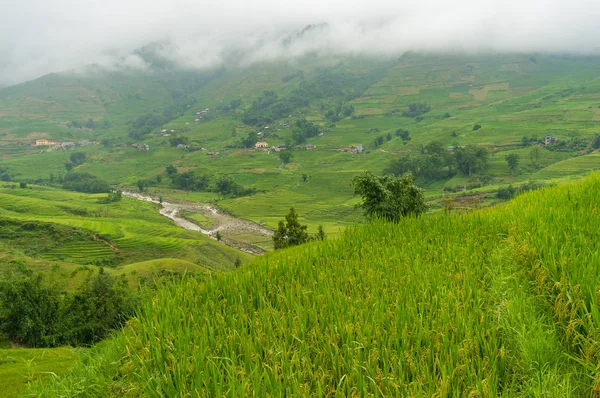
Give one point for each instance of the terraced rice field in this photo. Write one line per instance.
(125, 232)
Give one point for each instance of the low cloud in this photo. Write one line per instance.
(43, 36)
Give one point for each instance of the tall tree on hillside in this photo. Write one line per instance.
(471, 159)
(512, 160)
(171, 170)
(389, 197)
(290, 232)
(534, 154)
(320, 233)
(77, 158)
(403, 134)
(596, 142)
(285, 156)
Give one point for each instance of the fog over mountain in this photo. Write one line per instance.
(43, 36)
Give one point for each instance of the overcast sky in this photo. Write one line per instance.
(43, 36)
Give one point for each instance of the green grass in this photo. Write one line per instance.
(20, 366)
(198, 219)
(493, 302)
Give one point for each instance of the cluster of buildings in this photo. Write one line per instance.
(200, 114)
(263, 145)
(358, 148)
(549, 140)
(64, 145)
(141, 147)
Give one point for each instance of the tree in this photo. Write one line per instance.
(84, 182)
(250, 140)
(416, 109)
(22, 184)
(476, 127)
(141, 185)
(171, 170)
(237, 263)
(219, 236)
(298, 137)
(596, 142)
(290, 233)
(320, 233)
(471, 159)
(304, 177)
(77, 158)
(28, 309)
(534, 154)
(512, 160)
(404, 135)
(113, 196)
(389, 197)
(448, 204)
(285, 156)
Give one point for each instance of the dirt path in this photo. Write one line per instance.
(220, 222)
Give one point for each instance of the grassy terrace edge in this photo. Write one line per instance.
(498, 301)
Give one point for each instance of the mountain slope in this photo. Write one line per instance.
(494, 302)
(507, 97)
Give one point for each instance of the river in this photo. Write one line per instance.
(221, 222)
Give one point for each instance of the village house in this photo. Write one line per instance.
(261, 145)
(43, 142)
(67, 145)
(143, 148)
(549, 140)
(358, 148)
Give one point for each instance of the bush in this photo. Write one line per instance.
(416, 109)
(505, 193)
(37, 314)
(85, 182)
